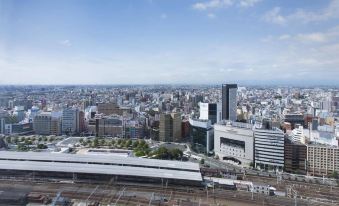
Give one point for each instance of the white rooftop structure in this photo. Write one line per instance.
(105, 165)
(297, 135)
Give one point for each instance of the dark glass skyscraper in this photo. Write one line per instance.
(229, 101)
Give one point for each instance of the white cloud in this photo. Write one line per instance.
(315, 37)
(274, 16)
(66, 43)
(219, 4)
(212, 4)
(304, 16)
(211, 16)
(284, 37)
(248, 3)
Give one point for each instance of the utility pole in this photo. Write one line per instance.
(95, 189)
(121, 194)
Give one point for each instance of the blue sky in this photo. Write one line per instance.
(169, 41)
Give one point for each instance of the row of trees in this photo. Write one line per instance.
(26, 140)
(119, 143)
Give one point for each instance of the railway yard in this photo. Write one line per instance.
(124, 193)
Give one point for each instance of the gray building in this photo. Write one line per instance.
(201, 135)
(229, 102)
(269, 148)
(70, 121)
(170, 127)
(42, 123)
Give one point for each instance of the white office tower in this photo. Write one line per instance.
(233, 142)
(269, 148)
(210, 111)
(297, 135)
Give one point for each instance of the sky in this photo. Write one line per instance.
(169, 42)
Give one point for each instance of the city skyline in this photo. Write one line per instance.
(169, 42)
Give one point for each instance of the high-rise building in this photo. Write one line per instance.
(70, 120)
(42, 123)
(170, 127)
(269, 148)
(322, 159)
(20, 113)
(106, 126)
(229, 102)
(210, 111)
(176, 122)
(295, 157)
(56, 123)
(201, 135)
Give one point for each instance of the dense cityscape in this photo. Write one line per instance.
(169, 103)
(242, 134)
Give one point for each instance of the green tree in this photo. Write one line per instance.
(112, 142)
(162, 153)
(8, 140)
(51, 139)
(128, 143)
(95, 142)
(81, 140)
(22, 139)
(135, 144)
(102, 142)
(202, 161)
(176, 153)
(119, 141)
(140, 153)
(28, 141)
(22, 147)
(42, 146)
(40, 139)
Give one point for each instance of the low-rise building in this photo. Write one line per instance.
(233, 141)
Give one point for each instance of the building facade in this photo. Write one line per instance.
(229, 102)
(170, 127)
(234, 141)
(295, 157)
(201, 135)
(70, 121)
(210, 111)
(42, 123)
(269, 149)
(322, 160)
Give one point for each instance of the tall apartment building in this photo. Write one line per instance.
(269, 148)
(229, 102)
(322, 159)
(70, 121)
(56, 123)
(170, 127)
(233, 141)
(295, 157)
(42, 123)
